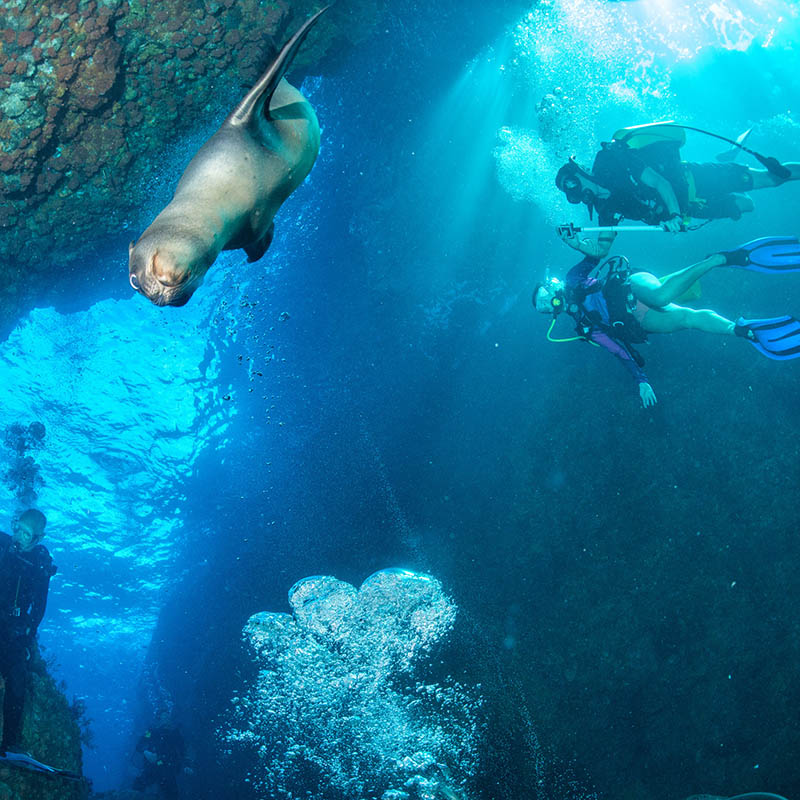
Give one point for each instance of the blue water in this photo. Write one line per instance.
(377, 392)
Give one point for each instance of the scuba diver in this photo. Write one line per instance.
(163, 751)
(639, 175)
(25, 571)
(616, 308)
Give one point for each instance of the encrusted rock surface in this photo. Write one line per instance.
(50, 733)
(91, 90)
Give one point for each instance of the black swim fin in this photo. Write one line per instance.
(777, 338)
(767, 254)
(259, 96)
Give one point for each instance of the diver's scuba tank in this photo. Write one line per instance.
(660, 133)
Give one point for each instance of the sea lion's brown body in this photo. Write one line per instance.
(230, 191)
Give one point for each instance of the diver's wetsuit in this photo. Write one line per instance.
(704, 191)
(24, 582)
(166, 748)
(587, 305)
(619, 168)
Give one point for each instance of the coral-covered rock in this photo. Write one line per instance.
(97, 75)
(50, 733)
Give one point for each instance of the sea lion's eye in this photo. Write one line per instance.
(135, 283)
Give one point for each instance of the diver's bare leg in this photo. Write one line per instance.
(659, 292)
(673, 318)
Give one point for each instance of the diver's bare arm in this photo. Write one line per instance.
(664, 188)
(598, 248)
(589, 247)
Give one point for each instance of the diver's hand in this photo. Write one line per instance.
(150, 756)
(647, 394)
(571, 238)
(674, 224)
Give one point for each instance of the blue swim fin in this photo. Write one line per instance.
(767, 254)
(24, 761)
(777, 338)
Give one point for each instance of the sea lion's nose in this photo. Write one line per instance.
(135, 283)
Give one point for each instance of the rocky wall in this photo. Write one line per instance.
(51, 733)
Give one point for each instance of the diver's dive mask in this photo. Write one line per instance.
(568, 180)
(25, 536)
(548, 297)
(573, 190)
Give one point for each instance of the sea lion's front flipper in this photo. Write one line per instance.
(257, 99)
(257, 249)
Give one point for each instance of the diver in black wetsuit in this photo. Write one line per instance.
(25, 571)
(639, 175)
(163, 750)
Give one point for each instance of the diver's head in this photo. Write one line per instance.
(569, 179)
(548, 297)
(29, 529)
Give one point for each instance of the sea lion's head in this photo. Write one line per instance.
(167, 270)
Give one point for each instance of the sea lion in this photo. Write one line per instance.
(228, 195)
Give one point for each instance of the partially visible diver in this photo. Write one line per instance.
(163, 752)
(25, 571)
(616, 308)
(639, 175)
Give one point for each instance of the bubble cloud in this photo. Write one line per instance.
(338, 709)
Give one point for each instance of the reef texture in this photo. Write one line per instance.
(51, 733)
(91, 90)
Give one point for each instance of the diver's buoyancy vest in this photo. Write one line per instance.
(657, 148)
(621, 324)
(24, 579)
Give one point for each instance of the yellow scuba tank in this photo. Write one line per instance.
(638, 136)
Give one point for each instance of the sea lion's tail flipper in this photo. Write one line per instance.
(259, 96)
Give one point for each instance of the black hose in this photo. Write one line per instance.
(771, 164)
